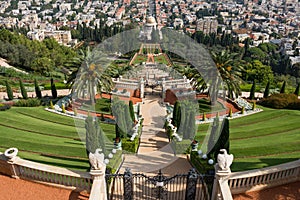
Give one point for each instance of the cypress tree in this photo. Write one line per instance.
(223, 141)
(182, 119)
(176, 111)
(53, 89)
(213, 138)
(38, 92)
(23, 90)
(267, 90)
(127, 118)
(9, 91)
(192, 125)
(297, 90)
(252, 91)
(225, 135)
(131, 110)
(94, 135)
(282, 90)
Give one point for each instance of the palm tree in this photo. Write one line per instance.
(230, 73)
(192, 74)
(89, 75)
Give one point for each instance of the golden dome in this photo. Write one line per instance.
(150, 20)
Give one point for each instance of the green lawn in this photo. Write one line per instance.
(205, 106)
(102, 106)
(267, 138)
(139, 59)
(161, 59)
(45, 137)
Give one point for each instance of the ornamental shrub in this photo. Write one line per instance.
(267, 90)
(38, 92)
(281, 101)
(53, 89)
(9, 91)
(4, 107)
(252, 91)
(75, 111)
(63, 109)
(297, 90)
(131, 110)
(243, 110)
(253, 105)
(51, 105)
(176, 114)
(204, 117)
(32, 102)
(282, 90)
(23, 90)
(230, 112)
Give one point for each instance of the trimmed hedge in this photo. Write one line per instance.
(114, 163)
(33, 102)
(281, 101)
(130, 146)
(183, 147)
(58, 86)
(200, 164)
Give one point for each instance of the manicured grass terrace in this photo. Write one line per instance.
(264, 139)
(45, 137)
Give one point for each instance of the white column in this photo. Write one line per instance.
(98, 191)
(221, 188)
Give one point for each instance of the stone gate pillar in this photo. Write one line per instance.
(98, 191)
(221, 189)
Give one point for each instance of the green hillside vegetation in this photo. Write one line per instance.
(33, 56)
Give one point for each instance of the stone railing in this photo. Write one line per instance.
(254, 180)
(16, 167)
(127, 85)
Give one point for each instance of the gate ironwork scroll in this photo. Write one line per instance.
(129, 186)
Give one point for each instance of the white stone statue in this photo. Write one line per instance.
(97, 160)
(225, 160)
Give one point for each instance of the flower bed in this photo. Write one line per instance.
(4, 107)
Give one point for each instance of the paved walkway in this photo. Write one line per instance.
(154, 152)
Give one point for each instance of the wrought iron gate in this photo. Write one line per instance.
(130, 186)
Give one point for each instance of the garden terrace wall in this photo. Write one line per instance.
(51, 175)
(254, 180)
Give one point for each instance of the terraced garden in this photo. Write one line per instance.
(267, 138)
(263, 139)
(45, 137)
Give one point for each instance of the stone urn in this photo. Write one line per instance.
(11, 153)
